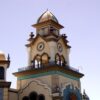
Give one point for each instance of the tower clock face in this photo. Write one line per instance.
(59, 47)
(40, 46)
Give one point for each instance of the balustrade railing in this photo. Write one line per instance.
(38, 66)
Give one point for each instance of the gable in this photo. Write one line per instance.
(38, 46)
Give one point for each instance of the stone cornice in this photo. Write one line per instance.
(49, 22)
(4, 84)
(47, 69)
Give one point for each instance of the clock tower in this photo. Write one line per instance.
(48, 75)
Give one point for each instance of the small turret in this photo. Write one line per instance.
(4, 64)
(47, 24)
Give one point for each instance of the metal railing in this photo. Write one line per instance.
(41, 66)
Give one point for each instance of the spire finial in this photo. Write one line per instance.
(8, 58)
(31, 35)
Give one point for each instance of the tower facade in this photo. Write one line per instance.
(4, 85)
(48, 75)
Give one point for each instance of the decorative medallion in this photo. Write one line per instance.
(59, 46)
(40, 46)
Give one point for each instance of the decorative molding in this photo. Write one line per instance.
(48, 73)
(38, 82)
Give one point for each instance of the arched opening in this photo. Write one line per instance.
(37, 61)
(41, 97)
(1, 73)
(57, 59)
(62, 60)
(33, 96)
(45, 58)
(25, 98)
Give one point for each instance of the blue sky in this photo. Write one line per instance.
(81, 19)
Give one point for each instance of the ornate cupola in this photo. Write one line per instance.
(47, 24)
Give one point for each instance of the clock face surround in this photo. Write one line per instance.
(59, 47)
(40, 46)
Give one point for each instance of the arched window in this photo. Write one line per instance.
(57, 59)
(36, 63)
(25, 98)
(37, 60)
(45, 58)
(41, 97)
(33, 96)
(1, 73)
(62, 60)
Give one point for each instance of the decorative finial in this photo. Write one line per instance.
(31, 35)
(64, 35)
(84, 92)
(8, 58)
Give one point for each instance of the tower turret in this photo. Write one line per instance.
(47, 24)
(4, 64)
(48, 75)
(48, 45)
(4, 85)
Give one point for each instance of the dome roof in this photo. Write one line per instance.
(47, 16)
(2, 56)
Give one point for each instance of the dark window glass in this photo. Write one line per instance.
(33, 96)
(25, 98)
(1, 73)
(41, 97)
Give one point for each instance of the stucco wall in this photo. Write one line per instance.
(43, 84)
(50, 47)
(13, 95)
(64, 81)
(32, 51)
(39, 86)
